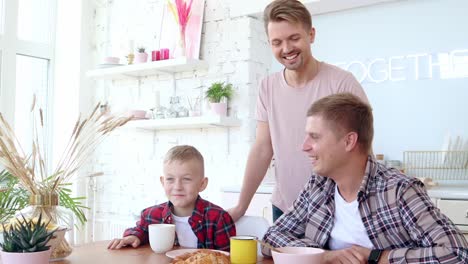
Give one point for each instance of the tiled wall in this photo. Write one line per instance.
(236, 50)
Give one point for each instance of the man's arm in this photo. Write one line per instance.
(436, 236)
(258, 161)
(289, 229)
(353, 254)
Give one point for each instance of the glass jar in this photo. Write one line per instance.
(59, 217)
(160, 112)
(173, 107)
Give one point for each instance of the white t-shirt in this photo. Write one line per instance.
(348, 228)
(284, 108)
(184, 232)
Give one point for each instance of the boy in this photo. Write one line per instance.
(199, 223)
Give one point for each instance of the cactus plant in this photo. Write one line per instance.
(26, 235)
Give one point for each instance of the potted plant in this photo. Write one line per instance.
(26, 242)
(141, 56)
(219, 93)
(48, 188)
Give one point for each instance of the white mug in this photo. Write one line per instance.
(161, 237)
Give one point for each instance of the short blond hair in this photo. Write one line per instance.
(346, 112)
(292, 11)
(184, 153)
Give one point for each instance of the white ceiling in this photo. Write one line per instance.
(255, 7)
(327, 6)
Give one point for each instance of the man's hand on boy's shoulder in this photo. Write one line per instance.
(118, 243)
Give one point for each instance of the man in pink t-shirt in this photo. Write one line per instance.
(282, 104)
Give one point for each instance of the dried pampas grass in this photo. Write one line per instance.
(31, 169)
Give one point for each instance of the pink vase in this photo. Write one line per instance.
(219, 108)
(41, 257)
(141, 57)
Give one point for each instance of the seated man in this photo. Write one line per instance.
(356, 207)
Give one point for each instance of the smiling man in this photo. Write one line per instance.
(359, 209)
(282, 105)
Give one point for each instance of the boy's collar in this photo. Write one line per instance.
(197, 213)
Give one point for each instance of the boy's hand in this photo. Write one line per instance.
(118, 243)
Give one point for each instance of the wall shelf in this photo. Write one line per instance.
(185, 123)
(171, 66)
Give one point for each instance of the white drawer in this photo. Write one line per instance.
(456, 210)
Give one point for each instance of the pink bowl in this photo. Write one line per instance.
(137, 114)
(111, 60)
(298, 255)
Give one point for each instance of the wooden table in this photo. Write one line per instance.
(98, 253)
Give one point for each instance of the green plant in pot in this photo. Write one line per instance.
(26, 241)
(48, 189)
(219, 93)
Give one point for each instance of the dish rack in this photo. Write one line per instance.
(437, 165)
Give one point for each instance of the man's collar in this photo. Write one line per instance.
(368, 180)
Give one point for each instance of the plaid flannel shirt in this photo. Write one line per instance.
(396, 211)
(211, 224)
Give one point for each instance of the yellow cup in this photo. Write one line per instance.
(243, 250)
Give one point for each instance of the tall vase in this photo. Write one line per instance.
(181, 45)
(47, 205)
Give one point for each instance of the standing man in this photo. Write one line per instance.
(360, 210)
(282, 104)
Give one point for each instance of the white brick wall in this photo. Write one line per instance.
(236, 50)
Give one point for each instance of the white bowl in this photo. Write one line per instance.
(298, 255)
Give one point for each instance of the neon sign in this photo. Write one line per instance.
(420, 66)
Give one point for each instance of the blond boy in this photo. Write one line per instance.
(199, 223)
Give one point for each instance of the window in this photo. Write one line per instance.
(34, 83)
(34, 20)
(27, 54)
(2, 16)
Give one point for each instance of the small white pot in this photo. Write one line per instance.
(219, 108)
(141, 57)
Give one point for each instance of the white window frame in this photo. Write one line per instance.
(10, 46)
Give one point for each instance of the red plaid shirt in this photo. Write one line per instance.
(211, 224)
